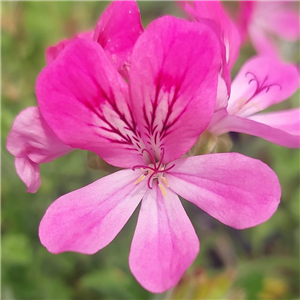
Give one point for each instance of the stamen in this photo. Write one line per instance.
(165, 181)
(163, 190)
(141, 178)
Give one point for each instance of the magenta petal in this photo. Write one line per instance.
(32, 142)
(283, 134)
(213, 10)
(29, 172)
(164, 243)
(118, 29)
(261, 82)
(85, 101)
(88, 219)
(53, 51)
(237, 190)
(174, 74)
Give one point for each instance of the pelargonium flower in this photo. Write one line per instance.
(145, 126)
(261, 83)
(264, 21)
(31, 140)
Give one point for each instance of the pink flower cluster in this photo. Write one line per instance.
(140, 99)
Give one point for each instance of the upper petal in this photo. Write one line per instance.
(173, 75)
(237, 190)
(214, 11)
(261, 82)
(118, 29)
(85, 101)
(52, 52)
(88, 219)
(164, 243)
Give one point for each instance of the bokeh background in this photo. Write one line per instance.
(257, 263)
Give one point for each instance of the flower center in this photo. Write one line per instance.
(154, 171)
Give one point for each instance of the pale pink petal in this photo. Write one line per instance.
(33, 142)
(31, 136)
(239, 191)
(53, 51)
(261, 82)
(29, 172)
(262, 42)
(214, 11)
(118, 29)
(164, 243)
(88, 219)
(278, 17)
(285, 120)
(280, 134)
(174, 73)
(85, 101)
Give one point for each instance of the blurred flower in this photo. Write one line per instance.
(261, 83)
(146, 127)
(199, 285)
(266, 21)
(31, 140)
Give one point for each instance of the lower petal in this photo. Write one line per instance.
(281, 134)
(164, 243)
(88, 219)
(285, 120)
(238, 191)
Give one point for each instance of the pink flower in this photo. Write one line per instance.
(264, 20)
(31, 140)
(146, 126)
(261, 83)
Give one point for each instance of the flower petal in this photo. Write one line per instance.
(88, 219)
(32, 142)
(53, 51)
(285, 120)
(164, 243)
(174, 74)
(237, 190)
(214, 11)
(118, 29)
(85, 101)
(262, 43)
(282, 133)
(278, 17)
(29, 172)
(261, 83)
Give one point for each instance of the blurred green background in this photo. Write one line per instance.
(257, 263)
